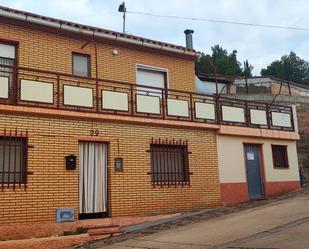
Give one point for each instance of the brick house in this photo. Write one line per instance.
(109, 124)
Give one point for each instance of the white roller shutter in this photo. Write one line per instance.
(151, 78)
(7, 51)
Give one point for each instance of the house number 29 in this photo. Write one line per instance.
(94, 132)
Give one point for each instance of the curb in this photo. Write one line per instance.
(137, 228)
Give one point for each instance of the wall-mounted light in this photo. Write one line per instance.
(115, 52)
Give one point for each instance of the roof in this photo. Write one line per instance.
(212, 78)
(279, 80)
(92, 31)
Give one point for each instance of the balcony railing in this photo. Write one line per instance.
(45, 89)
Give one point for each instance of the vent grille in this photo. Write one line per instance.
(65, 214)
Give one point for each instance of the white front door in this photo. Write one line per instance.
(92, 177)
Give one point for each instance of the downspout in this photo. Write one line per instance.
(96, 74)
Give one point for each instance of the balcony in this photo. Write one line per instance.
(45, 89)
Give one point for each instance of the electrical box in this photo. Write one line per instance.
(119, 164)
(70, 162)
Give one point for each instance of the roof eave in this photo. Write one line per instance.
(93, 31)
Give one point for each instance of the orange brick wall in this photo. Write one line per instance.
(130, 191)
(38, 49)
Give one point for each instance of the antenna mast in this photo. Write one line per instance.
(122, 8)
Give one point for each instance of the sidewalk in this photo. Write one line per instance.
(225, 227)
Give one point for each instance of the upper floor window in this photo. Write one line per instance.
(7, 57)
(280, 156)
(81, 64)
(151, 77)
(7, 51)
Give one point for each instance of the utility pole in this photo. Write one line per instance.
(122, 8)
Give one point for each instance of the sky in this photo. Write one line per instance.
(260, 46)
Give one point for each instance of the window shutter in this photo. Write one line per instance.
(7, 51)
(150, 78)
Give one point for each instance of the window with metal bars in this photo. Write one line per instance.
(280, 156)
(13, 159)
(169, 163)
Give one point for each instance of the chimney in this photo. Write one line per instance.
(189, 40)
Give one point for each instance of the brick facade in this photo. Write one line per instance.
(130, 191)
(54, 134)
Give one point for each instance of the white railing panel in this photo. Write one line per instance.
(78, 96)
(148, 104)
(4, 87)
(281, 119)
(37, 91)
(118, 101)
(177, 107)
(258, 117)
(233, 114)
(205, 110)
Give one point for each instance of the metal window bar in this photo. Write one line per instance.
(13, 159)
(280, 157)
(169, 163)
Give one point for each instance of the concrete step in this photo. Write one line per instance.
(93, 226)
(100, 237)
(103, 230)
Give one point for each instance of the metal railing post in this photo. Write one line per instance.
(58, 91)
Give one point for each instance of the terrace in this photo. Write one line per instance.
(29, 87)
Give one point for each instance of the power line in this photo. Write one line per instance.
(220, 21)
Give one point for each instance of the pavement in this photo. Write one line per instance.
(277, 224)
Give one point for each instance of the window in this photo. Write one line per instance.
(169, 163)
(12, 160)
(81, 64)
(151, 78)
(280, 156)
(7, 57)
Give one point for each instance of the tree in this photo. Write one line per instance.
(225, 63)
(289, 67)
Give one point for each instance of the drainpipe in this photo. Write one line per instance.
(96, 74)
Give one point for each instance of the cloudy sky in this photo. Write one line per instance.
(259, 45)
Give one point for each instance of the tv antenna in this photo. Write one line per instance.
(122, 8)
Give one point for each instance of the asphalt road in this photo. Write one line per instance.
(278, 225)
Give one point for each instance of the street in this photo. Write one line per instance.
(282, 224)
